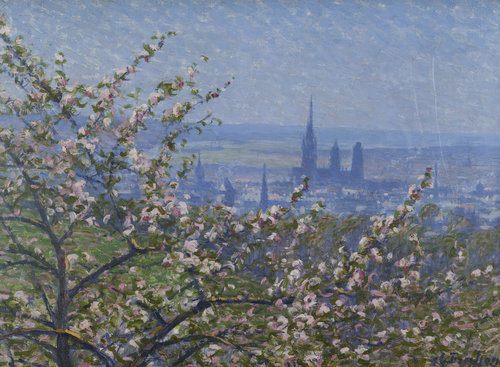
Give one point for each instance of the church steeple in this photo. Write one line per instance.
(199, 171)
(264, 201)
(229, 193)
(309, 147)
(335, 159)
(310, 119)
(436, 184)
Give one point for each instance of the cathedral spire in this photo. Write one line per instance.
(310, 120)
(229, 193)
(436, 184)
(264, 201)
(199, 171)
(309, 147)
(309, 129)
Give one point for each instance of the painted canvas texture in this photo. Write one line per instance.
(249, 183)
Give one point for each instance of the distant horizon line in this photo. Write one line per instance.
(320, 126)
(358, 128)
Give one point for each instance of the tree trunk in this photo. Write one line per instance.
(63, 357)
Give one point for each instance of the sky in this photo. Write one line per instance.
(411, 65)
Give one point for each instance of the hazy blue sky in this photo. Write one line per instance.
(368, 64)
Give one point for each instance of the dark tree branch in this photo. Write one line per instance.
(248, 300)
(94, 276)
(9, 264)
(15, 313)
(196, 283)
(22, 361)
(83, 344)
(152, 347)
(98, 353)
(67, 234)
(46, 302)
(53, 93)
(155, 313)
(9, 354)
(29, 221)
(189, 352)
(40, 207)
(50, 348)
(23, 251)
(205, 338)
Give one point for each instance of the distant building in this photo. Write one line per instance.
(229, 193)
(200, 190)
(309, 147)
(335, 160)
(357, 167)
(468, 162)
(333, 173)
(436, 183)
(264, 200)
(479, 189)
(199, 172)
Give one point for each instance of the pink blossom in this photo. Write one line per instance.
(62, 82)
(476, 273)
(458, 314)
(435, 316)
(67, 100)
(191, 245)
(4, 30)
(464, 326)
(322, 309)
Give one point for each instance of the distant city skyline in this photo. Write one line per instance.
(401, 65)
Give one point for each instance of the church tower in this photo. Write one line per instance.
(435, 185)
(335, 160)
(199, 171)
(229, 193)
(309, 147)
(264, 200)
(357, 169)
